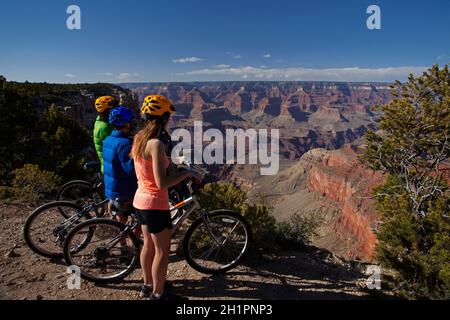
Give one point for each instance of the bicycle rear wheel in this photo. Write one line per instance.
(81, 192)
(110, 254)
(46, 227)
(219, 244)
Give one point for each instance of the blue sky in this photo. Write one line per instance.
(155, 40)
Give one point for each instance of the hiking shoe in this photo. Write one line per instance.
(167, 297)
(146, 291)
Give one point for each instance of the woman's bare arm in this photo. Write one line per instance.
(156, 150)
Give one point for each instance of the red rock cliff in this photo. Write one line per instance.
(339, 177)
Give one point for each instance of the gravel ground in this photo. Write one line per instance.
(290, 275)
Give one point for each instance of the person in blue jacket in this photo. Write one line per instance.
(119, 175)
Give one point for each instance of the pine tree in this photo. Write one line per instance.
(412, 146)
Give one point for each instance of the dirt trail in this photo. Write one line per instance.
(290, 275)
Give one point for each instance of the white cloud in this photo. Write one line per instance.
(310, 74)
(70, 75)
(233, 55)
(267, 56)
(442, 57)
(125, 76)
(187, 60)
(105, 74)
(221, 66)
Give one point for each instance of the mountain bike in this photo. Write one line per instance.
(47, 226)
(84, 192)
(215, 242)
(79, 191)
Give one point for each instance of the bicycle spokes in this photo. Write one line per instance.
(107, 253)
(218, 242)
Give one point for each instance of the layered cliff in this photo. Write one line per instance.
(307, 114)
(339, 177)
(332, 184)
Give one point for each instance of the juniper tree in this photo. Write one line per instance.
(412, 147)
(413, 138)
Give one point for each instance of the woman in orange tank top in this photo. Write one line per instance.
(152, 197)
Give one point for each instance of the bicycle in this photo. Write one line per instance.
(47, 226)
(214, 243)
(81, 190)
(84, 192)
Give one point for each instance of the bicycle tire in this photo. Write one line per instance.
(197, 223)
(67, 252)
(90, 190)
(39, 211)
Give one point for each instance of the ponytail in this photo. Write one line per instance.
(151, 130)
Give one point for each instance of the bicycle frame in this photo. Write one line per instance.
(177, 222)
(71, 220)
(196, 206)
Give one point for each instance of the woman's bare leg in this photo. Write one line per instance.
(161, 259)
(147, 256)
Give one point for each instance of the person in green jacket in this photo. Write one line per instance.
(102, 128)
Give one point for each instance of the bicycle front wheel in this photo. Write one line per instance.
(110, 254)
(46, 227)
(218, 243)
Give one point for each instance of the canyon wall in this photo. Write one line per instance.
(339, 177)
(329, 183)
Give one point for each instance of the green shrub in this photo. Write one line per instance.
(34, 130)
(418, 248)
(30, 184)
(227, 196)
(5, 192)
(268, 234)
(299, 230)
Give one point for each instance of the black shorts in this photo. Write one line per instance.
(155, 220)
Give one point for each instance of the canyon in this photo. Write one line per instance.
(308, 114)
(331, 184)
(321, 134)
(321, 127)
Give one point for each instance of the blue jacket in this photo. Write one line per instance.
(120, 177)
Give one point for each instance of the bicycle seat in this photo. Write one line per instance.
(120, 206)
(92, 166)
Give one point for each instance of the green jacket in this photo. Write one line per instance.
(102, 129)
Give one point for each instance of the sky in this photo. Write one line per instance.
(206, 40)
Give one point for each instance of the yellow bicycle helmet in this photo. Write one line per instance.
(156, 106)
(104, 103)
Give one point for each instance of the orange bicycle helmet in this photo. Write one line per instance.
(104, 103)
(157, 106)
